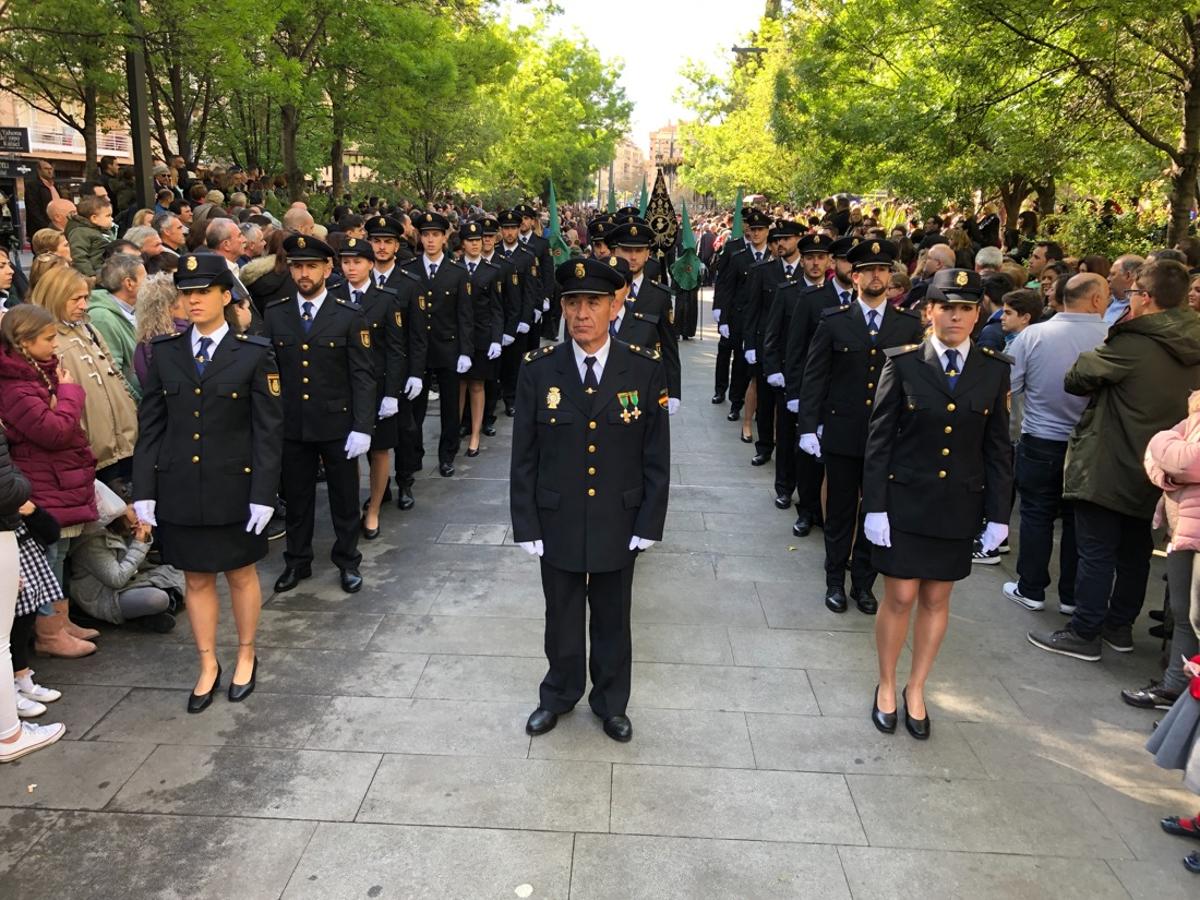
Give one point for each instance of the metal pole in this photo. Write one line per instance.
(139, 122)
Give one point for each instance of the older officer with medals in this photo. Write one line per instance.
(938, 462)
(207, 463)
(588, 491)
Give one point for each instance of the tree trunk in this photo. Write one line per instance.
(1046, 192)
(1186, 168)
(289, 117)
(1012, 194)
(91, 169)
(337, 160)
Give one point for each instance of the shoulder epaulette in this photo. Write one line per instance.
(645, 351)
(900, 351)
(254, 339)
(279, 301)
(542, 353)
(997, 355)
(167, 337)
(387, 289)
(911, 313)
(833, 311)
(340, 301)
(489, 264)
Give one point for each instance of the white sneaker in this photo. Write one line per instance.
(1011, 592)
(33, 737)
(28, 709)
(1067, 609)
(27, 687)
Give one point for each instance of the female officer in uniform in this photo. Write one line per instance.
(938, 462)
(207, 463)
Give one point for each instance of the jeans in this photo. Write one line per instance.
(1183, 586)
(1040, 486)
(1109, 543)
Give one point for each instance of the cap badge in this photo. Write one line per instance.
(962, 279)
(192, 263)
(875, 247)
(300, 242)
(612, 261)
(351, 242)
(428, 217)
(633, 230)
(580, 271)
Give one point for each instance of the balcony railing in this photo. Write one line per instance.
(67, 140)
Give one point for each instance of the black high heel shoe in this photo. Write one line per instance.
(918, 728)
(885, 722)
(747, 438)
(369, 534)
(198, 703)
(239, 692)
(473, 453)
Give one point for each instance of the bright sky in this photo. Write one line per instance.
(653, 38)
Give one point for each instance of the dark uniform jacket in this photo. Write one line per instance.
(589, 472)
(510, 291)
(939, 461)
(328, 373)
(209, 445)
(843, 371)
(776, 330)
(397, 322)
(520, 305)
(723, 280)
(488, 315)
(765, 278)
(811, 304)
(648, 323)
(449, 316)
(539, 248)
(742, 265)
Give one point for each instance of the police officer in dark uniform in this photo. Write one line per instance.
(938, 462)
(528, 335)
(722, 289)
(489, 324)
(327, 372)
(845, 361)
(597, 233)
(645, 318)
(540, 248)
(207, 463)
(450, 323)
(588, 492)
(743, 384)
(386, 236)
(510, 288)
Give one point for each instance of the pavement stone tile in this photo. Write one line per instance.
(336, 672)
(961, 698)
(803, 649)
(702, 645)
(802, 807)
(125, 662)
(70, 774)
(639, 867)
(98, 855)
(347, 862)
(802, 607)
(249, 781)
(1155, 880)
(20, 829)
(465, 635)
(492, 678)
(523, 794)
(729, 688)
(80, 707)
(382, 594)
(662, 597)
(509, 595)
(1135, 810)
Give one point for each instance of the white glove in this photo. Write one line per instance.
(493, 351)
(811, 444)
(413, 387)
(464, 363)
(506, 339)
(388, 407)
(546, 305)
(637, 543)
(672, 405)
(793, 406)
(537, 316)
(533, 548)
(357, 444)
(877, 529)
(723, 330)
(993, 536)
(522, 328)
(716, 314)
(820, 431)
(145, 511)
(751, 357)
(775, 380)
(259, 517)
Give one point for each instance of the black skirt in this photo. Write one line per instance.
(921, 556)
(387, 433)
(482, 368)
(210, 548)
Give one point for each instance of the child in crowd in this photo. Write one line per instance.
(89, 232)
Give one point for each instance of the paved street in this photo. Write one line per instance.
(384, 753)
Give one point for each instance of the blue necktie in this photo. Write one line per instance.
(307, 318)
(952, 367)
(357, 296)
(202, 357)
(432, 270)
(590, 383)
(471, 268)
(873, 325)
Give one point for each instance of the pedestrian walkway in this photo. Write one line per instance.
(384, 752)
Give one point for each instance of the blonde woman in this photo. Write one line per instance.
(51, 240)
(160, 311)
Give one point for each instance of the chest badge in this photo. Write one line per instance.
(365, 337)
(553, 398)
(273, 384)
(399, 320)
(629, 406)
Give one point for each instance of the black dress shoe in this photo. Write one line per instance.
(446, 469)
(406, 500)
(541, 721)
(760, 459)
(200, 702)
(464, 430)
(473, 453)
(718, 397)
(509, 410)
(352, 582)
(490, 429)
(369, 534)
(918, 728)
(803, 524)
(885, 722)
(239, 692)
(291, 577)
(735, 413)
(619, 728)
(835, 600)
(865, 600)
(782, 501)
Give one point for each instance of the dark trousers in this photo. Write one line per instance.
(1182, 583)
(1040, 485)
(740, 378)
(1109, 542)
(300, 491)
(724, 356)
(844, 524)
(411, 447)
(764, 415)
(510, 368)
(787, 454)
(448, 438)
(568, 594)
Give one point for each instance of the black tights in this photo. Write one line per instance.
(20, 636)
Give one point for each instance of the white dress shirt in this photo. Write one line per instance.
(867, 309)
(217, 336)
(382, 276)
(315, 301)
(360, 288)
(963, 349)
(844, 294)
(427, 262)
(598, 366)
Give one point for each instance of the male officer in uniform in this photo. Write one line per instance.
(845, 360)
(386, 236)
(647, 313)
(597, 233)
(540, 248)
(486, 290)
(327, 375)
(450, 324)
(528, 266)
(511, 288)
(588, 491)
(733, 312)
(726, 353)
